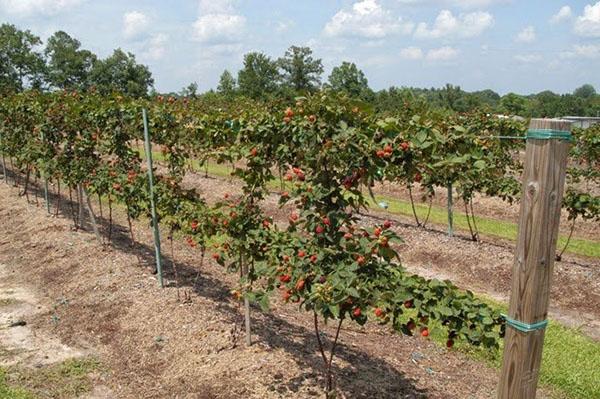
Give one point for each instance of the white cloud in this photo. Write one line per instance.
(366, 18)
(32, 7)
(588, 51)
(527, 35)
(528, 58)
(447, 25)
(135, 24)
(588, 24)
(411, 53)
(218, 28)
(563, 14)
(156, 47)
(445, 53)
(218, 23)
(466, 4)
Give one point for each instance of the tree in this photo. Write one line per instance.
(586, 91)
(227, 84)
(300, 70)
(513, 104)
(190, 90)
(349, 79)
(120, 72)
(259, 75)
(20, 64)
(450, 96)
(68, 66)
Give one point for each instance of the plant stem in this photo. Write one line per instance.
(474, 222)
(559, 256)
(412, 205)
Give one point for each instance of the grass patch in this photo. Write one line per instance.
(570, 360)
(68, 379)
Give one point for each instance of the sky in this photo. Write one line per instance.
(504, 45)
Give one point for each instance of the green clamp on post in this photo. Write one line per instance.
(524, 327)
(548, 134)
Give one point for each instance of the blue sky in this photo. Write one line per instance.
(506, 45)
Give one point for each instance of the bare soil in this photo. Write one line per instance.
(106, 301)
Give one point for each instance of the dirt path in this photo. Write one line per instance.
(154, 346)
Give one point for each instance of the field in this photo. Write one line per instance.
(273, 230)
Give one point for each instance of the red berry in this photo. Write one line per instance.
(380, 153)
(266, 224)
(312, 119)
(377, 231)
(360, 260)
(408, 304)
(357, 312)
(387, 224)
(405, 146)
(313, 258)
(286, 295)
(301, 254)
(326, 221)
(379, 312)
(425, 332)
(300, 285)
(253, 152)
(285, 278)
(411, 325)
(348, 236)
(418, 177)
(216, 256)
(319, 229)
(289, 113)
(194, 224)
(387, 149)
(450, 343)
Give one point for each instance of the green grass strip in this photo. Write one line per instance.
(570, 360)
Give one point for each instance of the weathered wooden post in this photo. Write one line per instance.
(548, 142)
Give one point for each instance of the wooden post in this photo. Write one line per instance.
(148, 147)
(543, 184)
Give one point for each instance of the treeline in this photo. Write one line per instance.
(63, 65)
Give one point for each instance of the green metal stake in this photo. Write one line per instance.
(45, 181)
(450, 218)
(148, 147)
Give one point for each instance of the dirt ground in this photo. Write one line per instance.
(105, 301)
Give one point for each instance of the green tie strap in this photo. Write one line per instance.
(548, 134)
(525, 327)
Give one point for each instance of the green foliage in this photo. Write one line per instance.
(259, 76)
(21, 65)
(68, 66)
(300, 70)
(349, 79)
(227, 84)
(121, 73)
